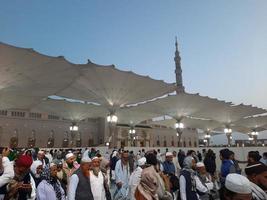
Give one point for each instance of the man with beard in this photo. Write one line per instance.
(257, 174)
(168, 166)
(41, 156)
(79, 184)
(22, 187)
(36, 170)
(69, 167)
(99, 183)
(122, 175)
(204, 183)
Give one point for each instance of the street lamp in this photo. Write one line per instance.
(179, 126)
(228, 131)
(112, 118)
(74, 127)
(132, 131)
(254, 133)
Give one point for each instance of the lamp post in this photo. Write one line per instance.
(73, 129)
(179, 126)
(132, 136)
(112, 120)
(254, 135)
(228, 131)
(207, 138)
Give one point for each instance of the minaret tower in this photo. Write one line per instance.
(178, 70)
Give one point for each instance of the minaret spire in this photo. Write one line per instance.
(178, 70)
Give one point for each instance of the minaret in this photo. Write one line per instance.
(178, 70)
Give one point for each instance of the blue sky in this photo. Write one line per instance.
(223, 44)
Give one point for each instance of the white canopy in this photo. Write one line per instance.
(113, 88)
(73, 111)
(26, 77)
(228, 114)
(181, 105)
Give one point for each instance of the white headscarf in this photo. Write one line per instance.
(34, 166)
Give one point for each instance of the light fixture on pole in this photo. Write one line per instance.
(132, 130)
(112, 118)
(179, 126)
(254, 133)
(250, 139)
(74, 127)
(228, 131)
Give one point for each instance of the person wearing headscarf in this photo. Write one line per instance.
(22, 187)
(136, 177)
(237, 187)
(36, 170)
(257, 175)
(50, 187)
(147, 188)
(188, 188)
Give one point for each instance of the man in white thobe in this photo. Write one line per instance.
(136, 177)
(122, 175)
(97, 180)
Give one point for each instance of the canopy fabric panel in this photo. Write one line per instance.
(133, 116)
(253, 123)
(26, 73)
(181, 105)
(191, 123)
(114, 88)
(70, 110)
(228, 114)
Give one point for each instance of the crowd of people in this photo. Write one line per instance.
(86, 174)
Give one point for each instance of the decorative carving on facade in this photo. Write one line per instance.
(51, 139)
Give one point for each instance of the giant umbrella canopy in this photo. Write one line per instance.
(26, 76)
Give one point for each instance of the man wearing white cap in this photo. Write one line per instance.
(68, 167)
(237, 187)
(42, 158)
(204, 182)
(136, 177)
(79, 184)
(99, 182)
(168, 166)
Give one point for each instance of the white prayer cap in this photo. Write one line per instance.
(86, 159)
(69, 155)
(52, 164)
(169, 154)
(95, 158)
(141, 161)
(200, 164)
(238, 184)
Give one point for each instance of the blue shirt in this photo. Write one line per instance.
(168, 167)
